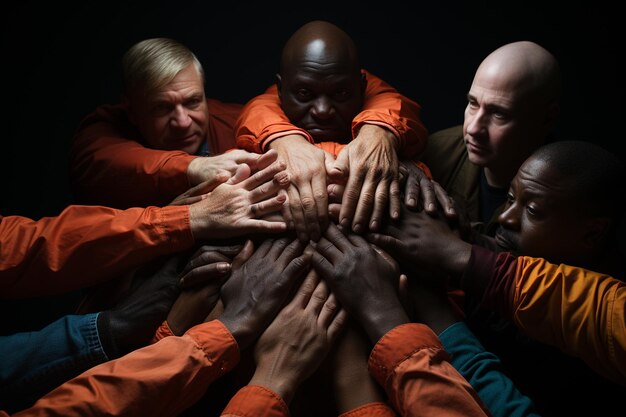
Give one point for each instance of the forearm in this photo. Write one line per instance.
(410, 363)
(34, 363)
(386, 107)
(179, 368)
(50, 256)
(262, 120)
(122, 173)
(483, 371)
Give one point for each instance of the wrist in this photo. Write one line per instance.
(283, 382)
(379, 324)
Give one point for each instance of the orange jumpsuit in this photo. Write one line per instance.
(263, 119)
(110, 164)
(581, 312)
(84, 246)
(169, 376)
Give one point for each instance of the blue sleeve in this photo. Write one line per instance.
(483, 371)
(33, 363)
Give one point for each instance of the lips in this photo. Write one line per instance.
(505, 242)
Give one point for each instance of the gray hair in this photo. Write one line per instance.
(153, 63)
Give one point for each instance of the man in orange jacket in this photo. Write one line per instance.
(154, 145)
(322, 97)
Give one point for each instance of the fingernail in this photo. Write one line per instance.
(345, 222)
(357, 228)
(412, 202)
(374, 225)
(223, 267)
(431, 207)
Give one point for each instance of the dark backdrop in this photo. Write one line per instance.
(59, 62)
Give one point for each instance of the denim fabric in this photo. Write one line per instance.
(483, 371)
(34, 363)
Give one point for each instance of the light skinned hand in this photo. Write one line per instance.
(298, 339)
(417, 184)
(308, 202)
(369, 164)
(209, 168)
(232, 210)
(257, 290)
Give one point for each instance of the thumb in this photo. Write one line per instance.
(340, 170)
(243, 172)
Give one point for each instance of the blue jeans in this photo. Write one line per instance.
(34, 363)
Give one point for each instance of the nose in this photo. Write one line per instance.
(476, 123)
(180, 117)
(322, 108)
(509, 218)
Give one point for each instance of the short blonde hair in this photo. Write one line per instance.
(153, 63)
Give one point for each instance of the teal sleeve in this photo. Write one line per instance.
(483, 371)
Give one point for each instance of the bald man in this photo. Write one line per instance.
(325, 106)
(513, 105)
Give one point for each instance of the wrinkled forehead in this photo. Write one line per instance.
(537, 176)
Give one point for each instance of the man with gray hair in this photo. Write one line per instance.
(154, 145)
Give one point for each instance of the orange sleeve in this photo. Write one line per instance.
(256, 401)
(84, 246)
(262, 120)
(371, 410)
(161, 379)
(386, 107)
(411, 365)
(110, 166)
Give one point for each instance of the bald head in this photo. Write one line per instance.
(526, 68)
(320, 84)
(320, 44)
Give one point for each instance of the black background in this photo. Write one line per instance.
(59, 62)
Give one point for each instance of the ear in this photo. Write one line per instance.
(596, 231)
(279, 85)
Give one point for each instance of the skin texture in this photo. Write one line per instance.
(201, 281)
(174, 116)
(255, 293)
(237, 208)
(321, 90)
(298, 339)
(348, 262)
(542, 217)
(512, 106)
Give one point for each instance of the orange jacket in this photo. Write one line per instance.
(411, 365)
(169, 376)
(84, 246)
(262, 119)
(581, 312)
(110, 164)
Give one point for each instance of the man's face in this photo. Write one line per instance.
(322, 101)
(501, 125)
(175, 116)
(541, 217)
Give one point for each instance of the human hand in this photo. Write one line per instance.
(308, 203)
(369, 163)
(364, 281)
(297, 341)
(201, 280)
(417, 184)
(421, 240)
(211, 168)
(237, 209)
(256, 291)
